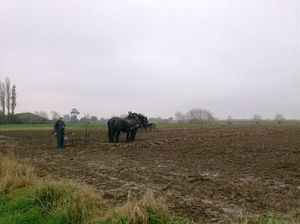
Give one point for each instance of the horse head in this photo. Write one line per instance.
(140, 118)
(143, 120)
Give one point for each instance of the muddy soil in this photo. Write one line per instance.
(213, 174)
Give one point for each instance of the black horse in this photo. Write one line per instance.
(128, 125)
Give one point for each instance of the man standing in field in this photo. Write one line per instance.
(59, 132)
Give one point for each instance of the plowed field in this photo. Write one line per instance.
(209, 173)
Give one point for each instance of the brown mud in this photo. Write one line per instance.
(213, 174)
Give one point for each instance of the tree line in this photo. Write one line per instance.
(202, 116)
(8, 102)
(195, 116)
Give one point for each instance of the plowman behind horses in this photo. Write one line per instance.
(128, 125)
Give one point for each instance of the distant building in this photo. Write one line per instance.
(30, 118)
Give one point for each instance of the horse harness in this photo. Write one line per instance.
(138, 120)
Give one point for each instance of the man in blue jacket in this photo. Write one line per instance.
(59, 131)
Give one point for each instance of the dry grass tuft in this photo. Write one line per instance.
(14, 175)
(141, 211)
(92, 199)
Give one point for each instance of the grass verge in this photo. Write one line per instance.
(26, 198)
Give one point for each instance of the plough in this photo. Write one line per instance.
(73, 139)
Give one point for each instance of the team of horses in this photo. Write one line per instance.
(128, 125)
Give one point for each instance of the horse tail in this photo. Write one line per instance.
(110, 132)
(108, 122)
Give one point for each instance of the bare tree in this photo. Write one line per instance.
(42, 114)
(193, 116)
(279, 118)
(54, 115)
(180, 117)
(159, 119)
(66, 117)
(207, 116)
(87, 116)
(257, 118)
(8, 95)
(13, 99)
(2, 97)
(199, 116)
(229, 119)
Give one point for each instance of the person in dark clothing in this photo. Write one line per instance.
(59, 131)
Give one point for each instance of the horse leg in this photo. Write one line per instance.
(132, 135)
(131, 138)
(110, 135)
(127, 136)
(117, 136)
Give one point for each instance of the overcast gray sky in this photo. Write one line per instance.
(156, 57)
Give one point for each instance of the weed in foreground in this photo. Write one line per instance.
(269, 218)
(148, 210)
(14, 175)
